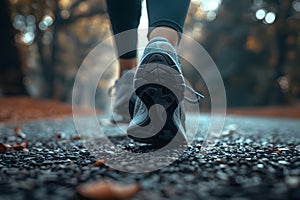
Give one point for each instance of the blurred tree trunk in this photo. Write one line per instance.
(282, 32)
(48, 57)
(11, 76)
(49, 54)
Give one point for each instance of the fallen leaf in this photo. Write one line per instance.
(99, 162)
(18, 147)
(3, 147)
(109, 191)
(21, 146)
(76, 138)
(276, 151)
(17, 129)
(19, 132)
(25, 144)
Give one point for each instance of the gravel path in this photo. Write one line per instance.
(259, 160)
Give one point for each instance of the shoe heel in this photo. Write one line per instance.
(150, 95)
(159, 81)
(159, 69)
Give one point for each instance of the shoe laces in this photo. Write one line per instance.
(192, 91)
(111, 90)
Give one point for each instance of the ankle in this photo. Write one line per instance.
(165, 32)
(126, 65)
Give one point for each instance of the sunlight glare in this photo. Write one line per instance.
(296, 5)
(210, 5)
(28, 38)
(260, 14)
(270, 17)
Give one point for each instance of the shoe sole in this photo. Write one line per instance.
(158, 81)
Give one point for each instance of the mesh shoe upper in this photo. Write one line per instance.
(123, 94)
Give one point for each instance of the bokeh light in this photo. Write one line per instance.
(260, 14)
(270, 17)
(296, 5)
(211, 15)
(28, 38)
(210, 5)
(46, 22)
(65, 14)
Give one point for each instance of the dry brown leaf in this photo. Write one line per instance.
(3, 147)
(76, 138)
(17, 129)
(109, 191)
(25, 144)
(99, 162)
(18, 147)
(19, 132)
(22, 146)
(276, 151)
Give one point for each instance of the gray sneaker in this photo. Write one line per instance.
(158, 114)
(124, 98)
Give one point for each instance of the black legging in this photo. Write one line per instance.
(125, 15)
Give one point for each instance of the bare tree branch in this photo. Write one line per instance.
(74, 5)
(72, 19)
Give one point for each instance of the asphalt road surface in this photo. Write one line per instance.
(255, 158)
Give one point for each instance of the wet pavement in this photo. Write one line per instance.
(257, 159)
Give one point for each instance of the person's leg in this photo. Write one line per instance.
(166, 19)
(165, 32)
(158, 117)
(125, 15)
(126, 64)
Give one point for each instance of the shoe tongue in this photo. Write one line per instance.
(161, 43)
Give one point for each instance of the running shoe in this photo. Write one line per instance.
(123, 99)
(158, 114)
